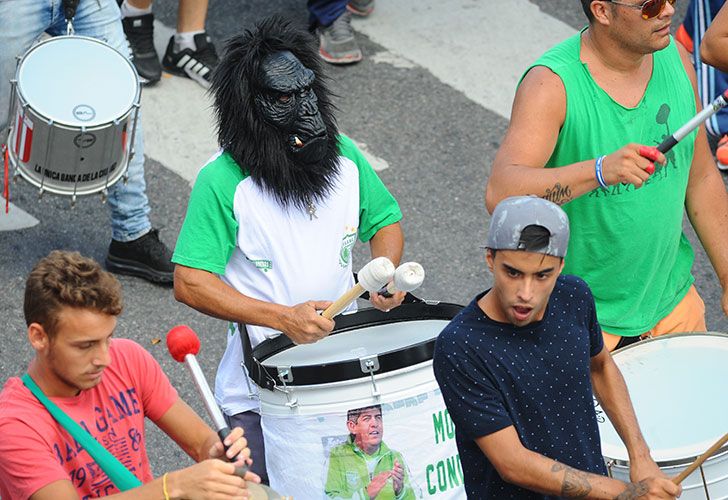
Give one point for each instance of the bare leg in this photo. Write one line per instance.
(141, 4)
(191, 15)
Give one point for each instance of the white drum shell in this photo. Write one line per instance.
(301, 412)
(677, 386)
(77, 141)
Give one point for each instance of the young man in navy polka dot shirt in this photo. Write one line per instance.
(517, 367)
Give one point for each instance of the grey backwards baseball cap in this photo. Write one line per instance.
(513, 214)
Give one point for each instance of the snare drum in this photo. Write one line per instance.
(74, 106)
(372, 358)
(677, 384)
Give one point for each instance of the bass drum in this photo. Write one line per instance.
(677, 385)
(359, 412)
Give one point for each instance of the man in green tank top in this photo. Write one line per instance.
(590, 110)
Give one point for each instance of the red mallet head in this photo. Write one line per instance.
(181, 341)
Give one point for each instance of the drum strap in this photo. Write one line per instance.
(122, 478)
(255, 371)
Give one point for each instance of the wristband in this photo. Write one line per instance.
(598, 172)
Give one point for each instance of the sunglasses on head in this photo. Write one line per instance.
(649, 8)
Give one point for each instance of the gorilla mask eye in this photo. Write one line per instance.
(284, 98)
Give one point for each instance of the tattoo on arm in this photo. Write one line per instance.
(558, 194)
(575, 483)
(634, 490)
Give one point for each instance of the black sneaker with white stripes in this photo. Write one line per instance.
(196, 64)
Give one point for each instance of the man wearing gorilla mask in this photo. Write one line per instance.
(272, 218)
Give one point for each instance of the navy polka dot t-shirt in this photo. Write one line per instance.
(536, 378)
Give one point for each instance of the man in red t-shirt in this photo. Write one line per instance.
(106, 385)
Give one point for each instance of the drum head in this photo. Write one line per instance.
(77, 81)
(677, 386)
(403, 337)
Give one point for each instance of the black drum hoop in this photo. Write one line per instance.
(266, 376)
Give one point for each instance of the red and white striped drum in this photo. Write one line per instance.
(74, 106)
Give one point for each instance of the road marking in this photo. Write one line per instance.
(479, 47)
(15, 219)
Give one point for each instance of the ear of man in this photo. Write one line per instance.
(38, 337)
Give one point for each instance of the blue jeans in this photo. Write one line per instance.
(23, 22)
(325, 12)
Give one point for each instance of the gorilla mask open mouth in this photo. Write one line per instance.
(310, 149)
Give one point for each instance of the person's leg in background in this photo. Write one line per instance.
(23, 22)
(138, 21)
(332, 22)
(711, 82)
(135, 248)
(190, 52)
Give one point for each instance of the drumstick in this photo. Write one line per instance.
(699, 461)
(720, 102)
(407, 277)
(373, 276)
(183, 344)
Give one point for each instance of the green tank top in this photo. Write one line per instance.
(627, 243)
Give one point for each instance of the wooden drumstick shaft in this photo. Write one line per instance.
(699, 461)
(372, 277)
(343, 301)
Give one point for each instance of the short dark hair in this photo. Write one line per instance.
(68, 279)
(586, 5)
(353, 415)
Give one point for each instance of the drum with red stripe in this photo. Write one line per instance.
(74, 106)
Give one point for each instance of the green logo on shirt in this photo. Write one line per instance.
(347, 243)
(264, 265)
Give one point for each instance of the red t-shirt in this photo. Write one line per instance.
(36, 451)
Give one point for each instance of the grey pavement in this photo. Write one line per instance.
(439, 144)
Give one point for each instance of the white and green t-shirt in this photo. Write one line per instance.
(265, 251)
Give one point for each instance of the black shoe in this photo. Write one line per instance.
(196, 64)
(146, 257)
(139, 31)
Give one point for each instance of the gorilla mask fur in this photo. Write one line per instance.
(274, 114)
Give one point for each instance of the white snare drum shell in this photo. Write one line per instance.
(74, 115)
(677, 386)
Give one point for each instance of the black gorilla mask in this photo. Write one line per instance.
(289, 104)
(274, 113)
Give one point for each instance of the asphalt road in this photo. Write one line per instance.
(439, 143)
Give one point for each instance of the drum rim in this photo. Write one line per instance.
(673, 462)
(24, 101)
(350, 369)
(668, 336)
(682, 460)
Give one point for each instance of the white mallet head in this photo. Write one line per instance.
(376, 274)
(408, 276)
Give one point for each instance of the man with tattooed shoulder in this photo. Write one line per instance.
(518, 368)
(584, 124)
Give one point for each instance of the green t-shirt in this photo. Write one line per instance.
(627, 243)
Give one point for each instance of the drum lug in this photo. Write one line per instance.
(610, 463)
(285, 375)
(370, 364)
(104, 196)
(73, 201)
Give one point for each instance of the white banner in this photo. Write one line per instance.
(401, 449)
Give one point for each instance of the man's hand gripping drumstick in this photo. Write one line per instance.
(183, 344)
(372, 277)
